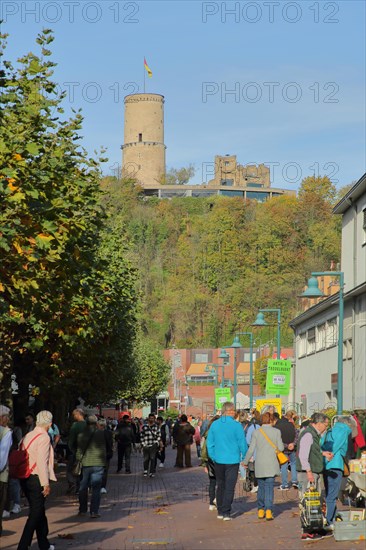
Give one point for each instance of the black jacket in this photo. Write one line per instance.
(125, 434)
(287, 429)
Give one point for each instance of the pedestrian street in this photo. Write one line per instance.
(170, 511)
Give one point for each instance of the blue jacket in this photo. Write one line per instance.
(336, 441)
(226, 441)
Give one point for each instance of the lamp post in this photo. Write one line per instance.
(313, 291)
(236, 344)
(260, 322)
(250, 334)
(225, 360)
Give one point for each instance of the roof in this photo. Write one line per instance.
(198, 369)
(349, 198)
(243, 368)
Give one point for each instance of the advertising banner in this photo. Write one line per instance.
(278, 377)
(221, 396)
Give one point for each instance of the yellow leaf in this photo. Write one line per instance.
(17, 247)
(12, 187)
(45, 237)
(2, 288)
(16, 156)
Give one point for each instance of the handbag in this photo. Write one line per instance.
(76, 469)
(281, 457)
(346, 470)
(78, 465)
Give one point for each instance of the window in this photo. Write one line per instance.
(347, 349)
(364, 225)
(252, 184)
(302, 344)
(227, 182)
(140, 137)
(320, 340)
(331, 333)
(201, 358)
(246, 357)
(311, 341)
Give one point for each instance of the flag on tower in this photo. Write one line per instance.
(149, 71)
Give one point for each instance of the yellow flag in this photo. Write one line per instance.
(149, 71)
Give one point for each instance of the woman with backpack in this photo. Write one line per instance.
(36, 487)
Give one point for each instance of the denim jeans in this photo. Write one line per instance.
(37, 520)
(92, 476)
(265, 493)
(226, 477)
(332, 484)
(284, 470)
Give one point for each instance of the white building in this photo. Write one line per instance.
(316, 329)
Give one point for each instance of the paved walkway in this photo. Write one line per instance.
(168, 512)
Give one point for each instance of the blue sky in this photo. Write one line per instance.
(279, 82)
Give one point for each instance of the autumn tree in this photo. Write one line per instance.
(64, 315)
(178, 176)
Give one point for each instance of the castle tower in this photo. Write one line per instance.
(143, 151)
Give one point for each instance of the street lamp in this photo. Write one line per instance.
(250, 334)
(313, 291)
(225, 360)
(236, 344)
(260, 322)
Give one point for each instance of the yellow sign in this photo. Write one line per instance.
(262, 404)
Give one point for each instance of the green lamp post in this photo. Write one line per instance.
(250, 334)
(260, 322)
(313, 291)
(225, 361)
(236, 344)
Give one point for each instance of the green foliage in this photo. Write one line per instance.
(67, 290)
(149, 374)
(207, 265)
(260, 373)
(172, 413)
(179, 176)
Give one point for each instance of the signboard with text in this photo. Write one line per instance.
(278, 377)
(221, 396)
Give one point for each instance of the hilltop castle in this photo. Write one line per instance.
(143, 158)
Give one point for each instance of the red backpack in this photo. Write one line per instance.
(19, 461)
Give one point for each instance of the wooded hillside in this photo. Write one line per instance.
(206, 265)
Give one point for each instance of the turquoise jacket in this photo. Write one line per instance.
(336, 441)
(226, 441)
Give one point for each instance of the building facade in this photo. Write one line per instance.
(228, 173)
(316, 329)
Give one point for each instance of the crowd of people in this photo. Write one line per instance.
(230, 444)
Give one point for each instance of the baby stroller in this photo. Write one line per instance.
(248, 482)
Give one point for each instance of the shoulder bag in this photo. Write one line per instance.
(77, 467)
(281, 457)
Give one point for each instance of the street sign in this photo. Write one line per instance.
(221, 396)
(278, 377)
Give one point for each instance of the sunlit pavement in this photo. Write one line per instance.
(169, 511)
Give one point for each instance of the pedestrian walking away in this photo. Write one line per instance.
(265, 441)
(91, 452)
(183, 433)
(125, 437)
(227, 447)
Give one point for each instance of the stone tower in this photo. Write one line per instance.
(143, 151)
